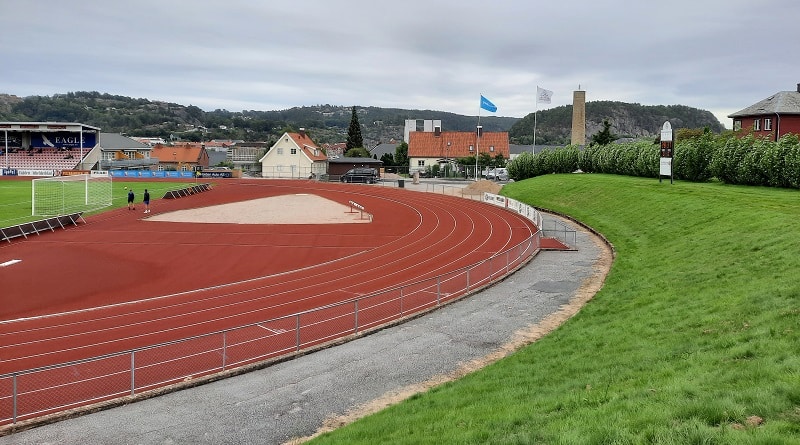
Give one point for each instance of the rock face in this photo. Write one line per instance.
(627, 121)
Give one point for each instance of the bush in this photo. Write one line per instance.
(744, 161)
(692, 158)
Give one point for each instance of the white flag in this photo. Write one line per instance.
(543, 96)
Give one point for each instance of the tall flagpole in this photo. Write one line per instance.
(477, 141)
(535, 110)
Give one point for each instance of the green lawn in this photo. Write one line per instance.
(15, 197)
(696, 329)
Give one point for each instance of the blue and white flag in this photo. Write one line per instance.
(487, 105)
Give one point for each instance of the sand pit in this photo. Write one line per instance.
(284, 209)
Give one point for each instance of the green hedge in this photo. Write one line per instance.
(744, 161)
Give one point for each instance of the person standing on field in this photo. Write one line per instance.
(146, 201)
(131, 205)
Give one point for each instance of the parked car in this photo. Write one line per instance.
(501, 174)
(360, 174)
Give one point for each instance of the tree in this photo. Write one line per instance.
(357, 152)
(387, 159)
(354, 139)
(401, 155)
(604, 136)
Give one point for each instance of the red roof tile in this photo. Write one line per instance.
(183, 153)
(308, 146)
(424, 144)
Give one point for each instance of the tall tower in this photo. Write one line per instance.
(578, 117)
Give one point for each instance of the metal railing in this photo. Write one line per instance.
(552, 228)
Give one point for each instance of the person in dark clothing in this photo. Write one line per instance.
(146, 201)
(131, 205)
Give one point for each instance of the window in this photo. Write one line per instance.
(280, 150)
(757, 125)
(737, 125)
(421, 163)
(293, 151)
(491, 148)
(471, 148)
(767, 123)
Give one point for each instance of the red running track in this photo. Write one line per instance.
(119, 282)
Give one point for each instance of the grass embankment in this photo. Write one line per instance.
(15, 197)
(694, 337)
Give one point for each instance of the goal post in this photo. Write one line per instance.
(62, 195)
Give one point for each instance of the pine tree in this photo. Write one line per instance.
(604, 136)
(354, 139)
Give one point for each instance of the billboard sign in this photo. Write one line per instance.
(63, 139)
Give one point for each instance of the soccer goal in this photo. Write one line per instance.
(61, 195)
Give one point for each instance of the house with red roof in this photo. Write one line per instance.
(772, 117)
(180, 157)
(429, 148)
(294, 155)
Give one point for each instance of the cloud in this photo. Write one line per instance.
(714, 55)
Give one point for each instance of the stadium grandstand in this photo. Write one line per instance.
(47, 148)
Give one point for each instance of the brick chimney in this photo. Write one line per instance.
(302, 132)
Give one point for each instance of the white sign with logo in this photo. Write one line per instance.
(667, 145)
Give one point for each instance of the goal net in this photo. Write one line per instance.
(62, 195)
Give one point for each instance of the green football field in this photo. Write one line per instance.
(16, 197)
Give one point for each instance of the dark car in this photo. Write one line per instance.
(365, 175)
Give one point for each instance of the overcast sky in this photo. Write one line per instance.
(442, 55)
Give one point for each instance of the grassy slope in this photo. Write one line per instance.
(696, 329)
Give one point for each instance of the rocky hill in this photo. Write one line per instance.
(554, 126)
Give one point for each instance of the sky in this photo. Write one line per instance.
(442, 55)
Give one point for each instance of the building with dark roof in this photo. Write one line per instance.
(772, 117)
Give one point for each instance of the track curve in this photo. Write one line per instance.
(122, 282)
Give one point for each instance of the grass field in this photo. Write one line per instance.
(693, 339)
(15, 197)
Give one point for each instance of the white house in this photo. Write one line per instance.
(295, 155)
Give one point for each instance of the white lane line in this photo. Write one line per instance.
(274, 331)
(9, 263)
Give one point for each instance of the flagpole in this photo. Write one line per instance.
(535, 110)
(477, 141)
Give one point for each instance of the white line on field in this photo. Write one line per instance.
(9, 263)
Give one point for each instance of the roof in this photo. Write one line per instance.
(115, 141)
(183, 153)
(783, 102)
(424, 144)
(311, 150)
(46, 126)
(385, 148)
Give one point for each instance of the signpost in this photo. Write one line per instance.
(667, 144)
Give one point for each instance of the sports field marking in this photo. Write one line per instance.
(9, 263)
(274, 331)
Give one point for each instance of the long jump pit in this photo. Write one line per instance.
(299, 208)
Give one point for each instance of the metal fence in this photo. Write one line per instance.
(556, 229)
(38, 392)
